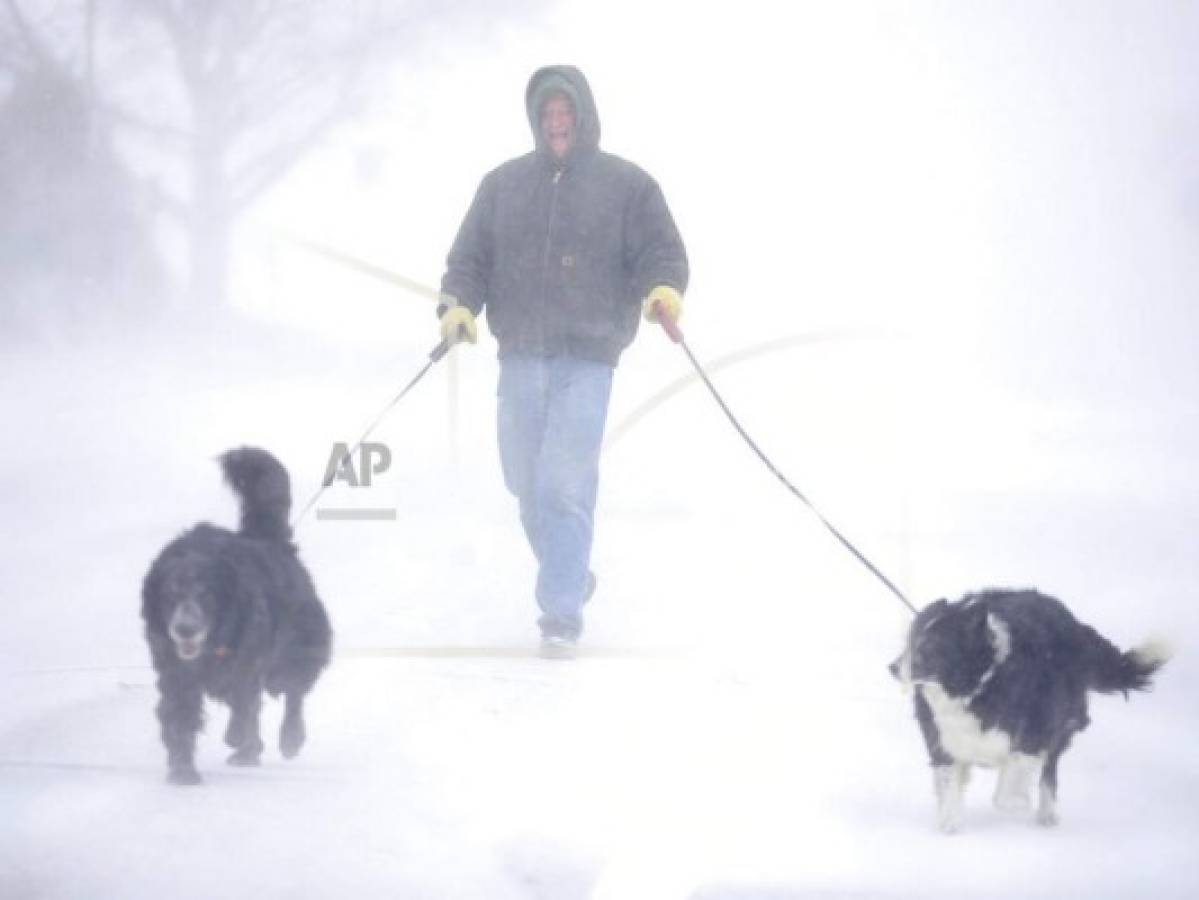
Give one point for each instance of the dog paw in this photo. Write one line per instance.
(243, 758)
(949, 823)
(184, 777)
(1047, 818)
(1013, 803)
(291, 739)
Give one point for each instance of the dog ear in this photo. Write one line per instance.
(933, 610)
(151, 590)
(930, 614)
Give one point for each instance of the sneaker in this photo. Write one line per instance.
(556, 646)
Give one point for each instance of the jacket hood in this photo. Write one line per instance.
(573, 83)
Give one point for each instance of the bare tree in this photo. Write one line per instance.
(221, 98)
(75, 236)
(262, 81)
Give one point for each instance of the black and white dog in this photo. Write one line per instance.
(231, 614)
(1001, 680)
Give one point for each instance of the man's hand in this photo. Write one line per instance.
(458, 324)
(663, 301)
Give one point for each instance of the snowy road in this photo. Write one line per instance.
(655, 777)
(734, 735)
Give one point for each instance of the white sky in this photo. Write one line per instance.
(931, 165)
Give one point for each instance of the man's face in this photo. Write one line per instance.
(558, 125)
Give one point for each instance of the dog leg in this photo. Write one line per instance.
(235, 732)
(1014, 783)
(181, 716)
(292, 733)
(243, 726)
(1047, 807)
(950, 784)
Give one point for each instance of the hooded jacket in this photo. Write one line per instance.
(561, 253)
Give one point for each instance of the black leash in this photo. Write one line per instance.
(672, 330)
(435, 356)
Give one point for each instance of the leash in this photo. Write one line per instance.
(672, 330)
(668, 325)
(435, 356)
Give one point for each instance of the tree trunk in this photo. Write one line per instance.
(211, 213)
(209, 238)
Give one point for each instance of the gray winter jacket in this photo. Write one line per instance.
(561, 253)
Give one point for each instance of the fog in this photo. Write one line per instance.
(943, 269)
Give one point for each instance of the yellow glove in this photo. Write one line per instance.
(663, 300)
(458, 324)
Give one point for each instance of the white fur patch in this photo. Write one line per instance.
(905, 670)
(1154, 652)
(949, 782)
(1001, 639)
(188, 629)
(1001, 647)
(1014, 784)
(961, 734)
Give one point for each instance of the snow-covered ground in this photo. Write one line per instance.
(732, 732)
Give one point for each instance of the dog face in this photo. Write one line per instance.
(191, 610)
(951, 645)
(188, 628)
(905, 665)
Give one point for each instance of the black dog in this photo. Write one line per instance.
(232, 614)
(1001, 680)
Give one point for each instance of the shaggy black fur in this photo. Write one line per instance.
(231, 614)
(1001, 679)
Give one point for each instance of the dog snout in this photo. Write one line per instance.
(186, 630)
(188, 623)
(901, 669)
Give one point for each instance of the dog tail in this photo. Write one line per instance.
(1132, 670)
(264, 489)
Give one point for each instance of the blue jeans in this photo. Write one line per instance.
(551, 425)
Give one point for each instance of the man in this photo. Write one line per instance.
(566, 247)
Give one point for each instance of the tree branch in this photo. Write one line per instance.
(41, 56)
(256, 176)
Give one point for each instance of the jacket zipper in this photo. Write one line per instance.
(549, 236)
